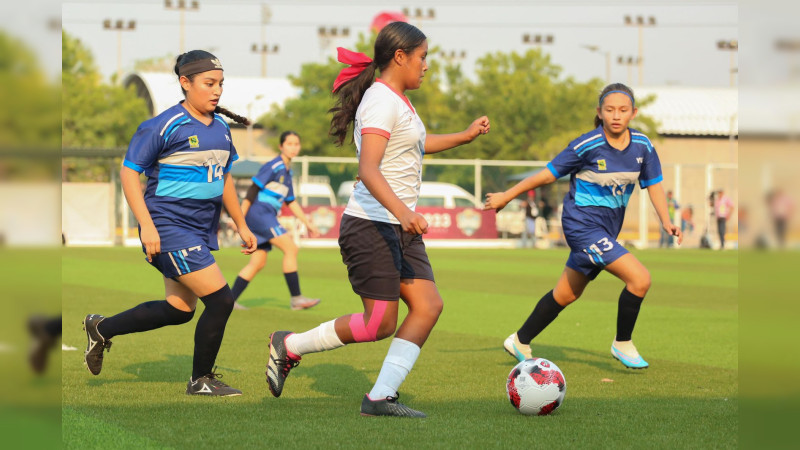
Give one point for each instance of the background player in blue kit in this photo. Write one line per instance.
(604, 165)
(272, 186)
(186, 153)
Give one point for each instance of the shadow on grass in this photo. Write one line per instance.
(175, 367)
(266, 301)
(559, 355)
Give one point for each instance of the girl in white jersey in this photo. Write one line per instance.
(381, 235)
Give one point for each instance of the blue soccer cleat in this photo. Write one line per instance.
(629, 361)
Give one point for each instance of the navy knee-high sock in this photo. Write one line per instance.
(293, 282)
(210, 329)
(545, 312)
(627, 313)
(143, 317)
(238, 287)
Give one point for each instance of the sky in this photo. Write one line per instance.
(681, 49)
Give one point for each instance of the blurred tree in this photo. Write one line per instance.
(31, 116)
(95, 115)
(535, 111)
(30, 122)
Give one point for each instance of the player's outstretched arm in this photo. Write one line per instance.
(249, 198)
(659, 201)
(435, 143)
(498, 200)
(298, 212)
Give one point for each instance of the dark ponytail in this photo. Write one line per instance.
(396, 35)
(612, 87)
(197, 55)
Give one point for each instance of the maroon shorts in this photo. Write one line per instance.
(378, 255)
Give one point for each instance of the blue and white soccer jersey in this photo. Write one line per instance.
(602, 180)
(185, 161)
(274, 181)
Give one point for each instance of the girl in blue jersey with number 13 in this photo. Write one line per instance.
(604, 166)
(186, 152)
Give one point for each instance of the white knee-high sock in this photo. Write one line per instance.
(399, 360)
(317, 339)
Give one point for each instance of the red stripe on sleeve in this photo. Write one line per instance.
(377, 131)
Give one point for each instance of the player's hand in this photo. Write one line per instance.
(413, 223)
(478, 127)
(313, 231)
(249, 241)
(674, 230)
(495, 201)
(151, 241)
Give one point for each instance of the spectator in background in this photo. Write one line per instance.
(531, 213)
(687, 223)
(672, 205)
(781, 208)
(723, 209)
(545, 211)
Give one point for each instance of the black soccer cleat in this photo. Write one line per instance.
(211, 385)
(388, 406)
(279, 363)
(93, 356)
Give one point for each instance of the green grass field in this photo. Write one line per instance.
(687, 330)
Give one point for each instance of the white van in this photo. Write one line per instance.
(445, 195)
(316, 191)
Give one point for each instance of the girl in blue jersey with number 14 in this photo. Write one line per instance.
(186, 153)
(604, 166)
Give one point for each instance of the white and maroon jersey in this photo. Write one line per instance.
(389, 113)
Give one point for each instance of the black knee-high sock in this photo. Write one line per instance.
(238, 287)
(293, 281)
(545, 312)
(143, 317)
(210, 329)
(627, 312)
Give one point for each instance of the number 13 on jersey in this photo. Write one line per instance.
(596, 250)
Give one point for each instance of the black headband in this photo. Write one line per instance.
(203, 65)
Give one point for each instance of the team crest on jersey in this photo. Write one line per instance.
(601, 164)
(194, 142)
(280, 180)
(639, 160)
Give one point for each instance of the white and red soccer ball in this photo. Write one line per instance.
(536, 387)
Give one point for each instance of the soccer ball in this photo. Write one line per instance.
(536, 387)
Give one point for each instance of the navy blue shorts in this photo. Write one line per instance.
(592, 255)
(180, 262)
(266, 227)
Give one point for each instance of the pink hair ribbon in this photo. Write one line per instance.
(357, 63)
